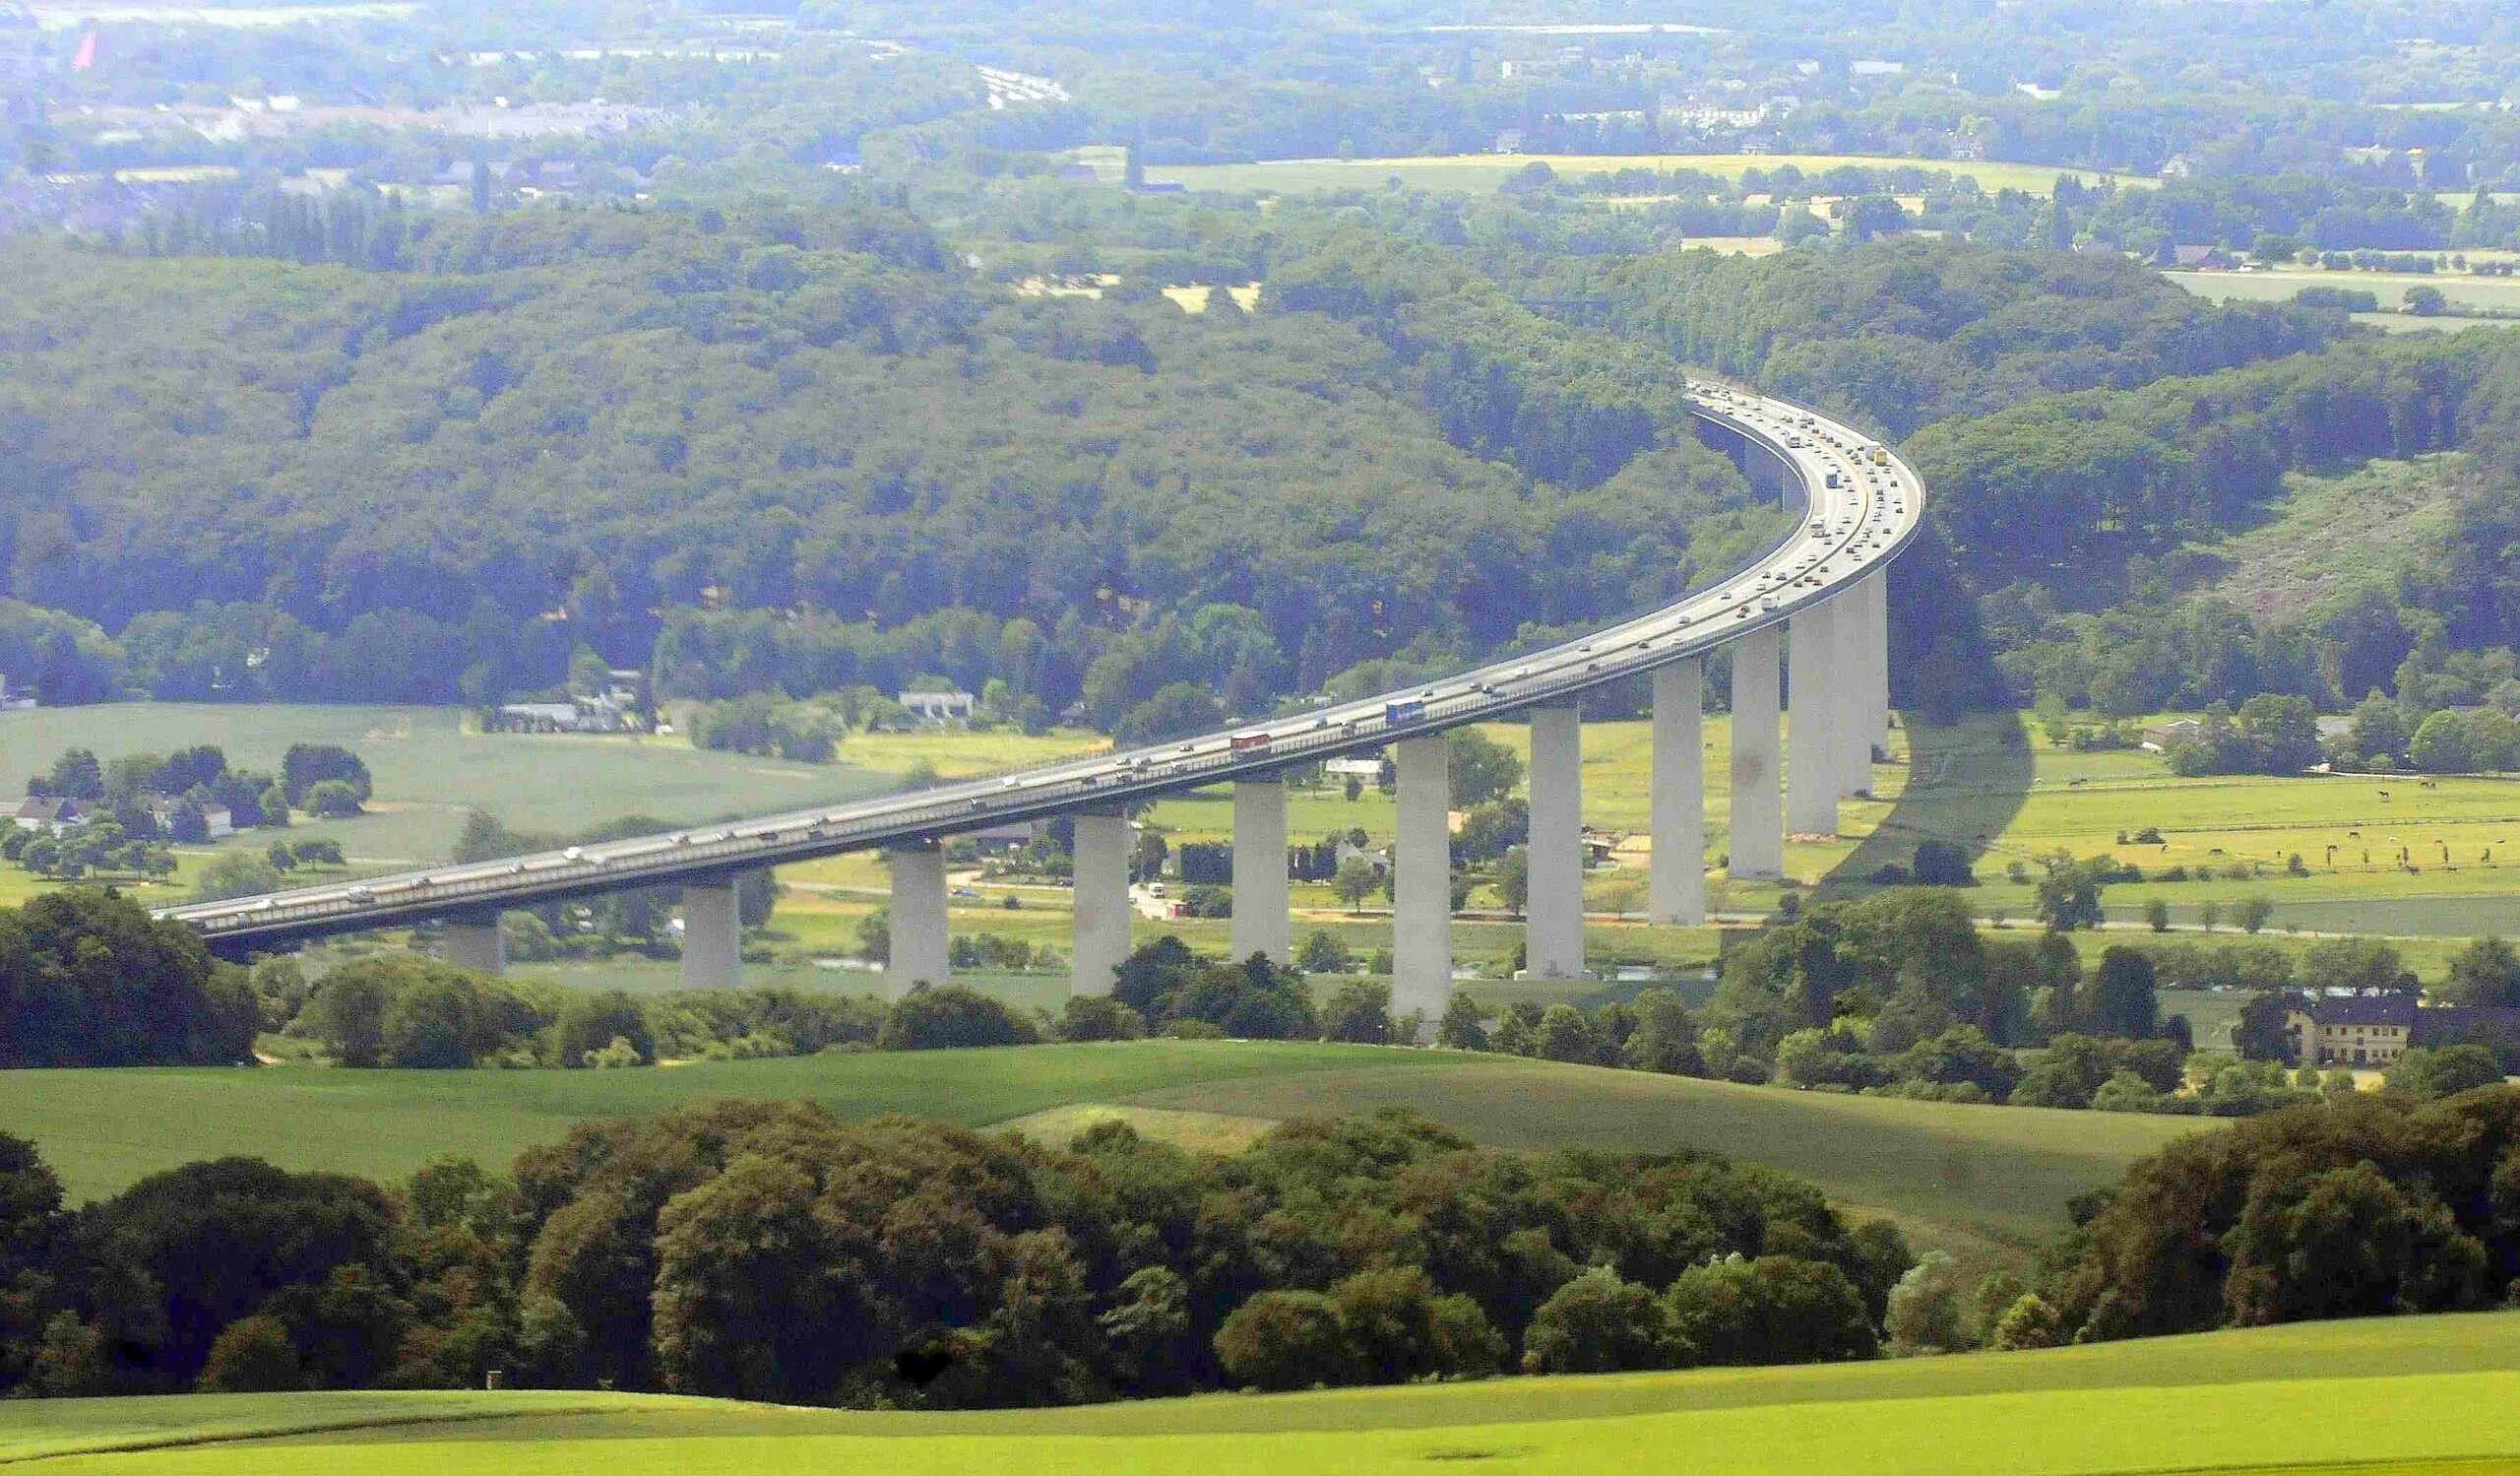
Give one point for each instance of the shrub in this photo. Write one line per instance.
(333, 800)
(1598, 1324)
(252, 1356)
(1359, 1012)
(1776, 1308)
(2125, 1092)
(1942, 863)
(2429, 1074)
(1286, 1340)
(2029, 1323)
(1461, 1028)
(1099, 1017)
(1322, 953)
(1925, 1312)
(932, 1017)
(590, 1024)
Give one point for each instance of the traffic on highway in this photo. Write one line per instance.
(1860, 506)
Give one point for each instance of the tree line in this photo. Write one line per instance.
(768, 1251)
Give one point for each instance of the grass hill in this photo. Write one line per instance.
(1984, 1182)
(2334, 529)
(103, 1130)
(2404, 1395)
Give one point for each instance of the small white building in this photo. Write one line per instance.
(603, 712)
(218, 821)
(50, 813)
(1341, 769)
(15, 700)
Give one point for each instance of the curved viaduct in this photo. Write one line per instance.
(1860, 504)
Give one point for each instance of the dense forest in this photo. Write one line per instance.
(809, 451)
(624, 432)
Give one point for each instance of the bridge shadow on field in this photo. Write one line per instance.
(1967, 781)
(1968, 759)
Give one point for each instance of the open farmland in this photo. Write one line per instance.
(2403, 1396)
(103, 1129)
(1993, 784)
(429, 770)
(2463, 292)
(1481, 173)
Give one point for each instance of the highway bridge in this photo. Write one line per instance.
(1856, 505)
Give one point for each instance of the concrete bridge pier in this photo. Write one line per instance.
(1261, 896)
(473, 942)
(1553, 909)
(1852, 748)
(919, 953)
(1675, 879)
(1815, 685)
(1101, 873)
(1422, 909)
(1873, 592)
(1757, 847)
(713, 936)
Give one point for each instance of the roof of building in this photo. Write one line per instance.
(2396, 1010)
(2450, 1023)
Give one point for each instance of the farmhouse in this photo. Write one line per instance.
(51, 813)
(2375, 1030)
(2359, 1030)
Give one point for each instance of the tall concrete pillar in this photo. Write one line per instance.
(1852, 748)
(1675, 883)
(919, 952)
(1877, 655)
(1422, 909)
(1260, 897)
(1554, 911)
(1757, 847)
(473, 942)
(1815, 762)
(712, 936)
(1102, 903)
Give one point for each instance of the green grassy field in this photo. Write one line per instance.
(101, 1129)
(2024, 798)
(429, 772)
(2388, 322)
(2408, 1397)
(2391, 286)
(1985, 1182)
(1481, 173)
